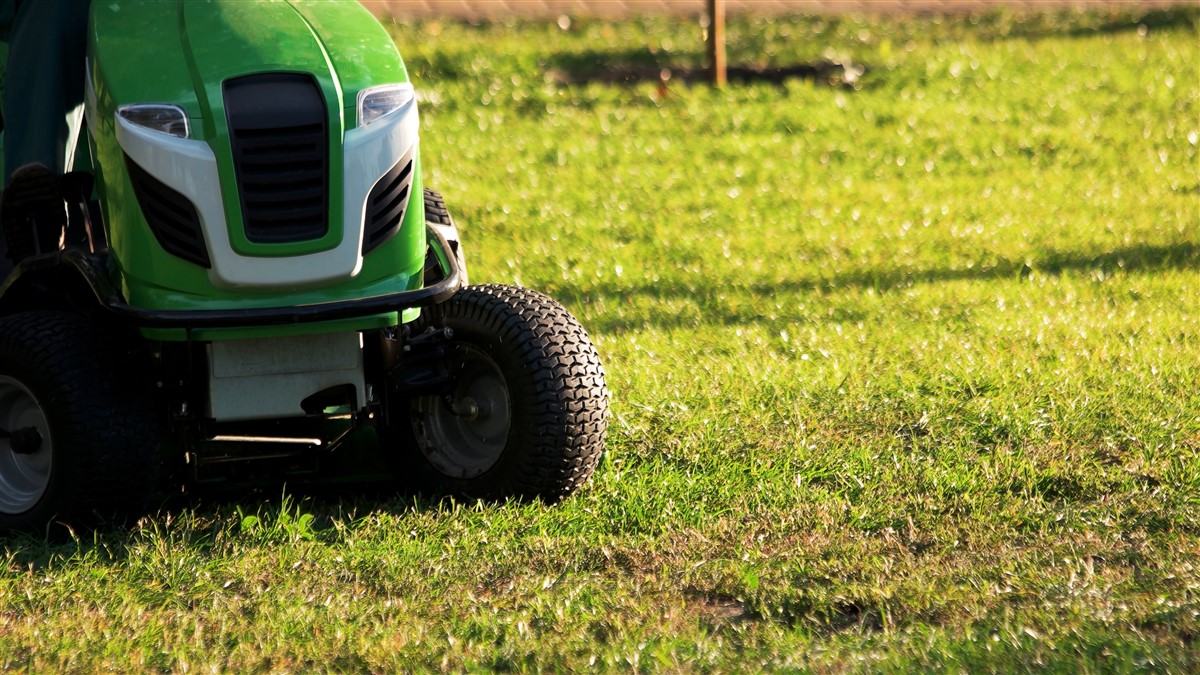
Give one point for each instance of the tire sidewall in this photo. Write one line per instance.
(22, 364)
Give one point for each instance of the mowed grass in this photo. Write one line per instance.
(904, 375)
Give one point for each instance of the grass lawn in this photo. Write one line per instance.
(904, 375)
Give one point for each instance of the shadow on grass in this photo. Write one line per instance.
(201, 522)
(1113, 23)
(634, 66)
(1141, 259)
(1157, 19)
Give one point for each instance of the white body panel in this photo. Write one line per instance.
(268, 378)
(190, 167)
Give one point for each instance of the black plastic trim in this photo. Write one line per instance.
(172, 217)
(279, 135)
(387, 203)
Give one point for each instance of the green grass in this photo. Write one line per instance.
(904, 376)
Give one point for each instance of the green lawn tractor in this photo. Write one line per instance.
(252, 283)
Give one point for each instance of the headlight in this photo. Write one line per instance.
(376, 102)
(160, 117)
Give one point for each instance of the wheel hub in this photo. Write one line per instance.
(467, 408)
(26, 453)
(465, 433)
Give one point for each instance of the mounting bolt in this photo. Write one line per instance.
(467, 407)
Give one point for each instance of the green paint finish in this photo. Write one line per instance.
(120, 72)
(363, 55)
(159, 297)
(129, 70)
(129, 237)
(238, 38)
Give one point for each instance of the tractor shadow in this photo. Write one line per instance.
(209, 522)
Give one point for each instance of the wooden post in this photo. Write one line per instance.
(716, 42)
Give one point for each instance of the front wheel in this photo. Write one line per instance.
(527, 408)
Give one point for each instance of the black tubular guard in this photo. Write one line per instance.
(92, 268)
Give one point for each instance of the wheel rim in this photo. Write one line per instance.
(465, 433)
(24, 477)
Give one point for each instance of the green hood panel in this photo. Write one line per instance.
(364, 54)
(227, 39)
(132, 70)
(201, 43)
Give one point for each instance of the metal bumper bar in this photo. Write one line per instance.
(92, 267)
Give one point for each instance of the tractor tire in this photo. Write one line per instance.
(528, 409)
(79, 446)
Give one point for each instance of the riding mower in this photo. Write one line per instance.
(250, 282)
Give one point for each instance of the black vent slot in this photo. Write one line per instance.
(280, 137)
(386, 205)
(171, 216)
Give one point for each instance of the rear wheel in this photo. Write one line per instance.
(77, 442)
(527, 411)
(25, 468)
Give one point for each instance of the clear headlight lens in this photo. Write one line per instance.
(376, 102)
(160, 117)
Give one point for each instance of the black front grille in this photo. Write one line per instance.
(171, 216)
(280, 137)
(386, 205)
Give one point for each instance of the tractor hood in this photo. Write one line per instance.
(183, 51)
(266, 189)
